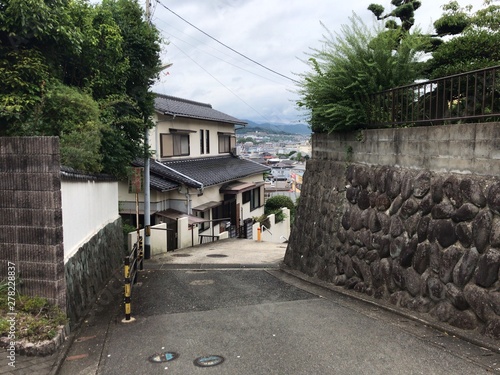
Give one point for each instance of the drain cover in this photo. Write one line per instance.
(208, 361)
(181, 255)
(163, 357)
(216, 255)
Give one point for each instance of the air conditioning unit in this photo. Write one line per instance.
(234, 151)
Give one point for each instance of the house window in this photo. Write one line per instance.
(202, 142)
(174, 144)
(226, 142)
(207, 139)
(252, 196)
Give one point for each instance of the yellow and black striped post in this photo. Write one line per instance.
(128, 288)
(140, 256)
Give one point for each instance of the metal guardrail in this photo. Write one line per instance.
(461, 98)
(132, 263)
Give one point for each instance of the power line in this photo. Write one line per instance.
(217, 57)
(225, 45)
(227, 88)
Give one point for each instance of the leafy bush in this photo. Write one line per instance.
(350, 67)
(278, 201)
(263, 220)
(127, 228)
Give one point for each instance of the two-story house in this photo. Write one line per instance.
(195, 172)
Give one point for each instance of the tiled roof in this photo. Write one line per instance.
(156, 180)
(215, 170)
(170, 105)
(200, 172)
(161, 184)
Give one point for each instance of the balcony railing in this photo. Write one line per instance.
(469, 97)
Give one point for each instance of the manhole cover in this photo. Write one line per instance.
(216, 255)
(208, 361)
(181, 255)
(163, 357)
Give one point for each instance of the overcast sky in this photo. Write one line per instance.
(274, 33)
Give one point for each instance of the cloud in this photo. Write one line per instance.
(274, 33)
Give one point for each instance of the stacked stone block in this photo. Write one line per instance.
(422, 240)
(31, 234)
(88, 271)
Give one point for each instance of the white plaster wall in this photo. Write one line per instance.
(164, 123)
(87, 207)
(278, 233)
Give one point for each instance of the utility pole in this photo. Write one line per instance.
(147, 193)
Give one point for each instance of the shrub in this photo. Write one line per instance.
(277, 202)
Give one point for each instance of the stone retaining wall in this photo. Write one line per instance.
(88, 271)
(424, 240)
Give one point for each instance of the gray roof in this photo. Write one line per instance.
(161, 184)
(200, 172)
(170, 105)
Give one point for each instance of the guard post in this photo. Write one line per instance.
(130, 268)
(134, 260)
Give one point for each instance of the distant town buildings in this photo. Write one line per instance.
(286, 154)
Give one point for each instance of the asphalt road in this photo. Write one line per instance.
(267, 322)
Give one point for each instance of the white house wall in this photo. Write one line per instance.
(165, 123)
(87, 207)
(158, 201)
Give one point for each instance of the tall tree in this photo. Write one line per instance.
(100, 57)
(474, 40)
(141, 49)
(33, 37)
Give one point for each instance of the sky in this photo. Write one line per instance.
(269, 41)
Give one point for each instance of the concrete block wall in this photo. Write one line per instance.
(31, 233)
(460, 148)
(421, 231)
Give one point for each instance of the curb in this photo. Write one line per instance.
(41, 348)
(63, 352)
(472, 338)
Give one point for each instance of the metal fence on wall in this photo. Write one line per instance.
(469, 97)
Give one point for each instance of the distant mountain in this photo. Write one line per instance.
(275, 128)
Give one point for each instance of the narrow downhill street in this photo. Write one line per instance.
(232, 300)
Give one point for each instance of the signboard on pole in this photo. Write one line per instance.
(136, 181)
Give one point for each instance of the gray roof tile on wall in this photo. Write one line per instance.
(170, 105)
